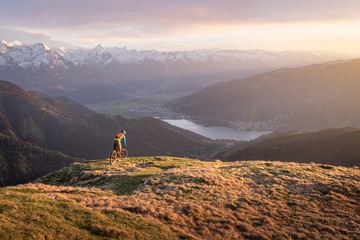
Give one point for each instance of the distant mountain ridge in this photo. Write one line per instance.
(19, 53)
(82, 73)
(312, 97)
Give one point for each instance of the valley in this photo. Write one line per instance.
(216, 131)
(140, 106)
(312, 97)
(153, 106)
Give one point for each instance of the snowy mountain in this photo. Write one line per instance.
(39, 55)
(98, 55)
(30, 56)
(102, 55)
(85, 74)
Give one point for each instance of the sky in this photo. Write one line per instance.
(170, 25)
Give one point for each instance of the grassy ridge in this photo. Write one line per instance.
(45, 212)
(222, 200)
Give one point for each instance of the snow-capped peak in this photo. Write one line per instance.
(97, 55)
(32, 56)
(15, 43)
(99, 47)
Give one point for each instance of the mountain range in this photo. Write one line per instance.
(38, 55)
(312, 97)
(84, 74)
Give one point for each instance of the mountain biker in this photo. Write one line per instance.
(119, 141)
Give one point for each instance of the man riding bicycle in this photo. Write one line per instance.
(119, 141)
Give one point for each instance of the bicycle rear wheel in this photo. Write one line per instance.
(124, 154)
(113, 157)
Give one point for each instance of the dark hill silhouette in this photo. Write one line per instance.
(63, 125)
(23, 162)
(310, 97)
(339, 147)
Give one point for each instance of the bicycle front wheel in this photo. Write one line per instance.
(124, 154)
(113, 157)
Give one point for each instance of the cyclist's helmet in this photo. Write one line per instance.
(123, 131)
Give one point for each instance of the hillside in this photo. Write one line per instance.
(40, 212)
(62, 125)
(339, 146)
(22, 162)
(312, 97)
(177, 198)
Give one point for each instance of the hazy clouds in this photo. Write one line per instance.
(124, 20)
(70, 14)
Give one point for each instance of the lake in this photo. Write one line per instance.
(216, 132)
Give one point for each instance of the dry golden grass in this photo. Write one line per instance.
(217, 200)
(39, 211)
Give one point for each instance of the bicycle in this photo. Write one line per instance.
(116, 155)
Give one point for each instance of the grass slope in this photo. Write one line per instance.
(186, 198)
(45, 212)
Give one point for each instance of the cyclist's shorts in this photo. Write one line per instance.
(116, 145)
